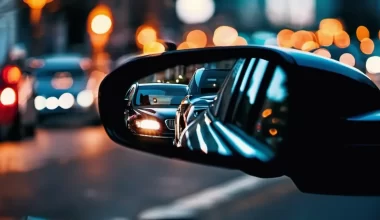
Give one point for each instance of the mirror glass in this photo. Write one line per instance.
(250, 114)
(157, 107)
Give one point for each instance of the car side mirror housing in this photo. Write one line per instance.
(279, 112)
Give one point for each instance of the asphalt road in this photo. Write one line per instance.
(282, 200)
(79, 173)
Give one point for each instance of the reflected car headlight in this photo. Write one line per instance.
(148, 124)
(85, 98)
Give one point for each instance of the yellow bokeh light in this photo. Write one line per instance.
(367, 46)
(284, 38)
(101, 24)
(224, 36)
(299, 38)
(145, 35)
(197, 37)
(331, 25)
(309, 46)
(323, 52)
(37, 4)
(348, 59)
(342, 39)
(362, 32)
(325, 38)
(153, 47)
(240, 41)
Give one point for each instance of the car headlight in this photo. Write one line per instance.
(85, 98)
(148, 124)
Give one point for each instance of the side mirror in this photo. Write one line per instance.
(279, 112)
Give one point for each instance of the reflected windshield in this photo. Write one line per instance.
(160, 95)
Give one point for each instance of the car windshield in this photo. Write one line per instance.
(51, 73)
(208, 82)
(159, 95)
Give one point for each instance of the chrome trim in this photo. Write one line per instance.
(166, 123)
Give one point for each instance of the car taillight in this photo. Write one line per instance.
(8, 96)
(11, 74)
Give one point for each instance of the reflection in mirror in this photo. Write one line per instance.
(157, 107)
(249, 117)
(272, 121)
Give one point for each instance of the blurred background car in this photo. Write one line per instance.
(17, 113)
(150, 110)
(203, 87)
(64, 88)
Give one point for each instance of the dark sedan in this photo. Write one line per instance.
(64, 89)
(150, 110)
(203, 87)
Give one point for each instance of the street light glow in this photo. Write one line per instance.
(101, 24)
(195, 11)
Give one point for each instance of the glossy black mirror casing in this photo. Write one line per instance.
(114, 86)
(323, 96)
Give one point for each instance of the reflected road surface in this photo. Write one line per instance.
(81, 174)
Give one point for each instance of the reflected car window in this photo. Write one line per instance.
(159, 95)
(272, 121)
(208, 81)
(221, 104)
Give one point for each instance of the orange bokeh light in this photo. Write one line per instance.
(37, 4)
(197, 37)
(153, 47)
(224, 36)
(367, 46)
(362, 32)
(348, 59)
(12, 74)
(98, 10)
(284, 38)
(145, 35)
(325, 38)
(323, 52)
(331, 25)
(240, 41)
(186, 45)
(309, 46)
(299, 38)
(342, 39)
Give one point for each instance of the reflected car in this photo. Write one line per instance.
(18, 117)
(203, 87)
(64, 88)
(150, 110)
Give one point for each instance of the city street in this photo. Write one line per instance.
(81, 174)
(78, 173)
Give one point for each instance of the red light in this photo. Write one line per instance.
(11, 74)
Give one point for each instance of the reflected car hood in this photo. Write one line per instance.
(44, 87)
(162, 113)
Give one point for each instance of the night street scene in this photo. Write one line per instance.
(57, 160)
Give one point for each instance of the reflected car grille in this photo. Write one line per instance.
(169, 124)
